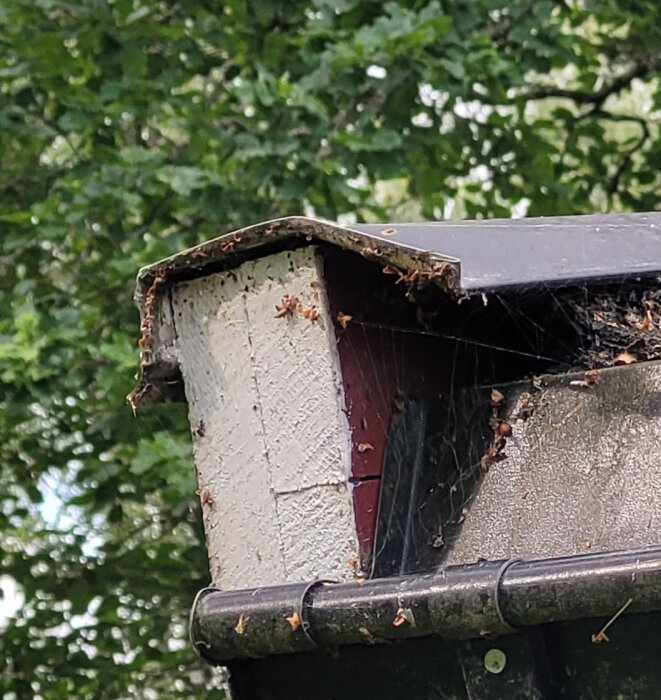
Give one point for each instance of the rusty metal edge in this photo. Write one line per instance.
(159, 378)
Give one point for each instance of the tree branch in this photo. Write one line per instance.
(595, 112)
(597, 98)
(614, 182)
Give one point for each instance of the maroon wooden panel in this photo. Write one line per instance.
(384, 355)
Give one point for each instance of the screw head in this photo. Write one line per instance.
(495, 661)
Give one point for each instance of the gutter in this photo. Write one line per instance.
(484, 599)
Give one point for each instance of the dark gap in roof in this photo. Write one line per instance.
(440, 445)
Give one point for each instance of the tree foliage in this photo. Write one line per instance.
(131, 129)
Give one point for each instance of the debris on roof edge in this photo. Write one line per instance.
(159, 378)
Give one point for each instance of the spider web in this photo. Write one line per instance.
(437, 444)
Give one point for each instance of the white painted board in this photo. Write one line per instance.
(271, 440)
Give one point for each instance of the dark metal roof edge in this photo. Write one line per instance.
(597, 278)
(159, 375)
(462, 265)
(232, 249)
(374, 241)
(578, 221)
(502, 254)
(487, 598)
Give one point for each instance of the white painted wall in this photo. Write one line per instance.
(274, 456)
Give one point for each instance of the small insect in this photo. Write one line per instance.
(503, 429)
(526, 407)
(494, 454)
(496, 398)
(309, 312)
(438, 541)
(592, 376)
(354, 564)
(647, 322)
(288, 305)
(368, 250)
(343, 319)
(403, 616)
(589, 379)
(199, 430)
(294, 620)
(240, 626)
(352, 560)
(410, 277)
(206, 499)
(228, 246)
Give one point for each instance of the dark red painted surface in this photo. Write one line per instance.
(384, 355)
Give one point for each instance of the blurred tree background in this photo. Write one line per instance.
(131, 129)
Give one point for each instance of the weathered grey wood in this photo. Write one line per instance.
(582, 474)
(160, 380)
(271, 442)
